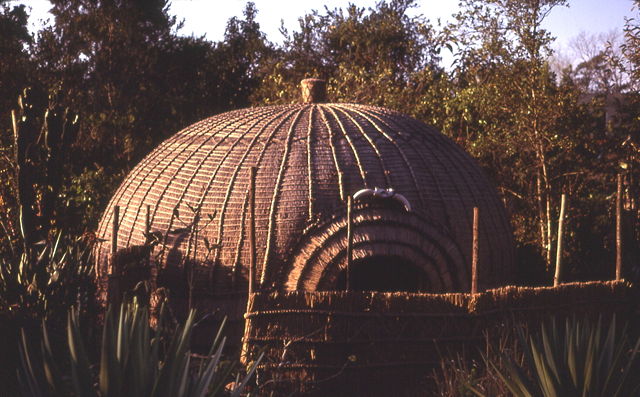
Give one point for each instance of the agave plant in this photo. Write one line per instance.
(582, 358)
(135, 360)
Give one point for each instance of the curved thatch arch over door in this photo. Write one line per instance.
(320, 256)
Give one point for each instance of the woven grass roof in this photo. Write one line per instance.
(310, 157)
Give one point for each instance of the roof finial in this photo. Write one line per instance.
(313, 90)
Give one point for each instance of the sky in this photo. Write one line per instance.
(201, 16)
(209, 17)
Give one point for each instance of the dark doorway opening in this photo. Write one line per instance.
(384, 273)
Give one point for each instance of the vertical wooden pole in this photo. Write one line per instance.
(245, 351)
(189, 265)
(474, 252)
(349, 241)
(114, 230)
(147, 231)
(114, 295)
(147, 221)
(619, 229)
(549, 231)
(252, 228)
(14, 124)
(558, 275)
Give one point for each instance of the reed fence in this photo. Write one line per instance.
(381, 344)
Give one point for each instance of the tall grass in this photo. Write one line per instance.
(460, 373)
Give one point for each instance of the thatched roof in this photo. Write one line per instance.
(309, 158)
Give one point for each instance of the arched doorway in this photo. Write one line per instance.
(384, 273)
(392, 251)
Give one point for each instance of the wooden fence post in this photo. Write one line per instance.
(474, 252)
(558, 275)
(147, 222)
(349, 241)
(619, 229)
(147, 231)
(114, 231)
(252, 228)
(114, 276)
(244, 352)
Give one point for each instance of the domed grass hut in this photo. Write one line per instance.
(414, 191)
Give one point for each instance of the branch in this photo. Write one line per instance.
(504, 189)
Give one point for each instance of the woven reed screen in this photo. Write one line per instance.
(384, 344)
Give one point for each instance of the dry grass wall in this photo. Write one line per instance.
(371, 343)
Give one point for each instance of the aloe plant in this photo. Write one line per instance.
(135, 360)
(581, 358)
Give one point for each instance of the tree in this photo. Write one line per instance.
(380, 56)
(16, 68)
(108, 55)
(135, 82)
(600, 68)
(238, 59)
(631, 47)
(14, 57)
(508, 106)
